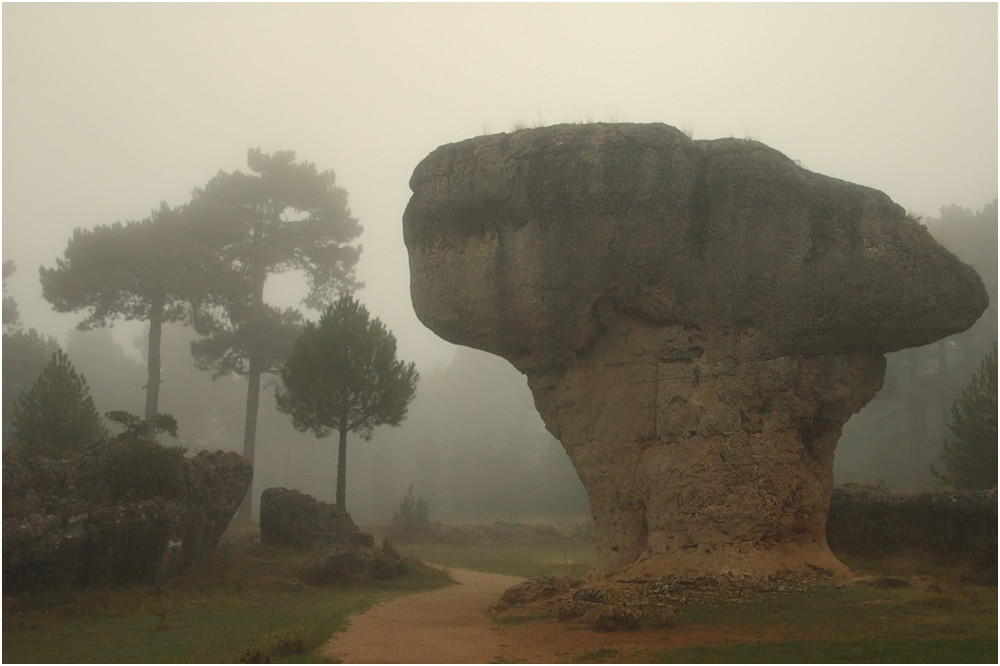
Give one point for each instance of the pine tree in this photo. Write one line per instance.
(139, 271)
(343, 375)
(970, 458)
(285, 215)
(56, 416)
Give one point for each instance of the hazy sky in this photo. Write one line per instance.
(110, 109)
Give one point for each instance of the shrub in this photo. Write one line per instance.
(134, 470)
(411, 522)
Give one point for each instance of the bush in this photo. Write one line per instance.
(133, 470)
(411, 522)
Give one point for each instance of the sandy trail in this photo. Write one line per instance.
(451, 626)
(447, 625)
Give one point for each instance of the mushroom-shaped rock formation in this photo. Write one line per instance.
(697, 320)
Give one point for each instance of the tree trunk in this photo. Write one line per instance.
(153, 359)
(255, 368)
(250, 431)
(342, 470)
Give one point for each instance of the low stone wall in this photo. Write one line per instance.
(951, 528)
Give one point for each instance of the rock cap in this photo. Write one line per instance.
(529, 244)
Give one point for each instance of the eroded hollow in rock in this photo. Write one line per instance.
(696, 320)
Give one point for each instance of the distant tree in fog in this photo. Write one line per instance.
(56, 416)
(11, 316)
(411, 521)
(343, 375)
(283, 216)
(136, 271)
(25, 353)
(970, 457)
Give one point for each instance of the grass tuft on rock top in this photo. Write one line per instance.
(242, 602)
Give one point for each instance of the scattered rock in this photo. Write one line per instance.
(352, 563)
(537, 589)
(612, 605)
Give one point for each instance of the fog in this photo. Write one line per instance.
(110, 109)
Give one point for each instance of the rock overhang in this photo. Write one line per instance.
(529, 244)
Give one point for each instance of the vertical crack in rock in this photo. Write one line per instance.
(696, 320)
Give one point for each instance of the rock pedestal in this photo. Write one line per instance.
(698, 460)
(696, 320)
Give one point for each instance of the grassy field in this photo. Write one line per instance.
(854, 624)
(242, 602)
(938, 619)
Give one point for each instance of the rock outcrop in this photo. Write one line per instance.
(696, 320)
(353, 564)
(291, 518)
(117, 512)
(343, 553)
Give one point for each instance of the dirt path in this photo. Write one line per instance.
(447, 625)
(450, 625)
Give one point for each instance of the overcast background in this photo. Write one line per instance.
(110, 109)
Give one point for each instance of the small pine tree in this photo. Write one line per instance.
(970, 458)
(411, 522)
(343, 375)
(56, 416)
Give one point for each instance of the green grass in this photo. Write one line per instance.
(854, 624)
(569, 558)
(241, 599)
(954, 622)
(973, 651)
(245, 598)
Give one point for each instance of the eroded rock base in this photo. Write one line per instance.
(621, 605)
(698, 455)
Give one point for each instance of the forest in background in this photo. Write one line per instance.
(473, 445)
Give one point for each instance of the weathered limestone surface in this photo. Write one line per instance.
(696, 319)
(111, 515)
(343, 553)
(291, 518)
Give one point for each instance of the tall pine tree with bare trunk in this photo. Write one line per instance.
(284, 215)
(135, 271)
